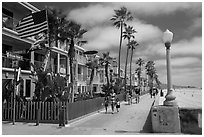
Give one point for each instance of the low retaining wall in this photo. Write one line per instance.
(191, 120)
(167, 119)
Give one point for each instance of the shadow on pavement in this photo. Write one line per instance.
(6, 122)
(147, 128)
(106, 113)
(124, 131)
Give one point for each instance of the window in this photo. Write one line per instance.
(25, 63)
(21, 89)
(79, 69)
(38, 59)
(89, 72)
(28, 84)
(79, 89)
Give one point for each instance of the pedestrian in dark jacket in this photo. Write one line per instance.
(106, 103)
(137, 95)
(117, 104)
(112, 94)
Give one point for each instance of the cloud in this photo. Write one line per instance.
(196, 26)
(186, 47)
(91, 15)
(102, 38)
(146, 32)
(181, 48)
(108, 37)
(102, 12)
(160, 8)
(183, 76)
(197, 23)
(180, 62)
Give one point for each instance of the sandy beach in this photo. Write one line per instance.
(186, 97)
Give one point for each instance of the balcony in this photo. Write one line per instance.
(82, 78)
(81, 59)
(7, 63)
(9, 22)
(9, 29)
(24, 64)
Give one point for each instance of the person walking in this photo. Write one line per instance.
(130, 98)
(112, 94)
(106, 103)
(137, 95)
(117, 104)
(134, 94)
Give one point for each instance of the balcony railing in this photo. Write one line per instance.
(82, 77)
(7, 63)
(24, 64)
(9, 22)
(81, 59)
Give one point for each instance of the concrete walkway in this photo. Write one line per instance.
(132, 119)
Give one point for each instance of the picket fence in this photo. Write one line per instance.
(49, 112)
(27, 111)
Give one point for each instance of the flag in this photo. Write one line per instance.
(32, 24)
(40, 43)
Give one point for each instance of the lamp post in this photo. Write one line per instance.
(170, 98)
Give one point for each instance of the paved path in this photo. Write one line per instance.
(132, 119)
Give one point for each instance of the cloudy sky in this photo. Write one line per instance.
(151, 19)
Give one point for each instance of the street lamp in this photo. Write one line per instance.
(170, 98)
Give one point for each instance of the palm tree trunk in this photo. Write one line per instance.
(139, 79)
(106, 74)
(131, 70)
(126, 66)
(71, 79)
(71, 56)
(121, 35)
(91, 82)
(150, 84)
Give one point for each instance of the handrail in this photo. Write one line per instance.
(7, 20)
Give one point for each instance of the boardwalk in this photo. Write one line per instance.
(132, 119)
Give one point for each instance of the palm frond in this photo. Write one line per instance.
(117, 24)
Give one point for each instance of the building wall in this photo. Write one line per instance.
(12, 13)
(58, 61)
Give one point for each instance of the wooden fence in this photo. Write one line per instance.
(49, 112)
(27, 111)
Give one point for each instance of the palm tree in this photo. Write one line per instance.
(75, 34)
(93, 65)
(128, 33)
(133, 44)
(105, 61)
(150, 71)
(140, 63)
(120, 17)
(158, 83)
(56, 23)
